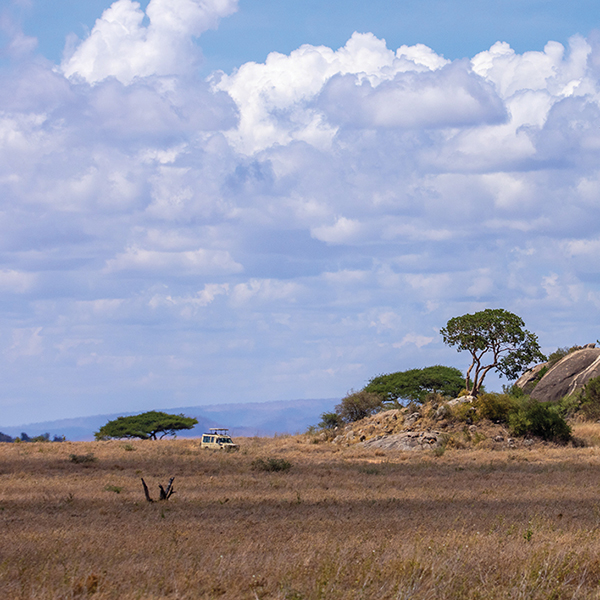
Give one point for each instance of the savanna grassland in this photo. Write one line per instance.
(341, 523)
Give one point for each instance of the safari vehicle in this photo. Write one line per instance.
(218, 439)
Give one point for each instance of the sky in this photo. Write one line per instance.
(206, 201)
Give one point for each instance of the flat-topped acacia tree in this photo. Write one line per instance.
(146, 426)
(496, 339)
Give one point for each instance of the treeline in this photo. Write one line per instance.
(45, 437)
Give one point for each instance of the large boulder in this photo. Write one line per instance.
(527, 381)
(569, 374)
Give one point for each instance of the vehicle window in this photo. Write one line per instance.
(205, 439)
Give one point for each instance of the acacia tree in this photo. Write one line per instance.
(146, 426)
(415, 384)
(496, 339)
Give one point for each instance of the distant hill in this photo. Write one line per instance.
(254, 418)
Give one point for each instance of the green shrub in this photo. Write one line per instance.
(583, 404)
(495, 407)
(271, 464)
(568, 406)
(113, 488)
(464, 412)
(514, 391)
(330, 420)
(590, 400)
(541, 420)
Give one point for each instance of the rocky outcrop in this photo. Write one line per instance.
(528, 380)
(569, 374)
(409, 440)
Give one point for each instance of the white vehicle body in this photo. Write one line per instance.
(218, 439)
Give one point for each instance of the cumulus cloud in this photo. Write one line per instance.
(121, 46)
(452, 97)
(276, 98)
(304, 223)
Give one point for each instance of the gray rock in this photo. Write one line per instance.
(461, 400)
(408, 440)
(498, 438)
(529, 376)
(569, 374)
(442, 412)
(412, 419)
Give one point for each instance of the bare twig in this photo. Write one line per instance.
(146, 492)
(164, 494)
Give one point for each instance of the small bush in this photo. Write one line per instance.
(568, 406)
(330, 420)
(82, 458)
(590, 400)
(558, 354)
(541, 420)
(271, 464)
(495, 407)
(358, 405)
(464, 412)
(113, 488)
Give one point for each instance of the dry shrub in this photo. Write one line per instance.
(82, 458)
(271, 464)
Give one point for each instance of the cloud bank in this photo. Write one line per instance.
(289, 229)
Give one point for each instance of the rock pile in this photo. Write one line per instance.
(408, 440)
(424, 428)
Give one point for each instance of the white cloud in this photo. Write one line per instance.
(192, 262)
(450, 97)
(264, 291)
(414, 338)
(290, 221)
(341, 232)
(27, 341)
(120, 45)
(275, 98)
(15, 281)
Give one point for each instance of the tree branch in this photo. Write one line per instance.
(146, 492)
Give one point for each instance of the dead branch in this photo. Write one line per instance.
(164, 494)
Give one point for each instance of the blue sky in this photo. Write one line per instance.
(215, 201)
(454, 28)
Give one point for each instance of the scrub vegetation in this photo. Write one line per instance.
(343, 522)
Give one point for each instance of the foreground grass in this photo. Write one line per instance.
(340, 524)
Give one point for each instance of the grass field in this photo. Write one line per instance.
(341, 523)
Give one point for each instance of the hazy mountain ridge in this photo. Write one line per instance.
(254, 418)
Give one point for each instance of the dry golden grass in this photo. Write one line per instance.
(342, 523)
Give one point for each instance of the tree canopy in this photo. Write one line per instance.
(146, 426)
(358, 405)
(415, 384)
(495, 339)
